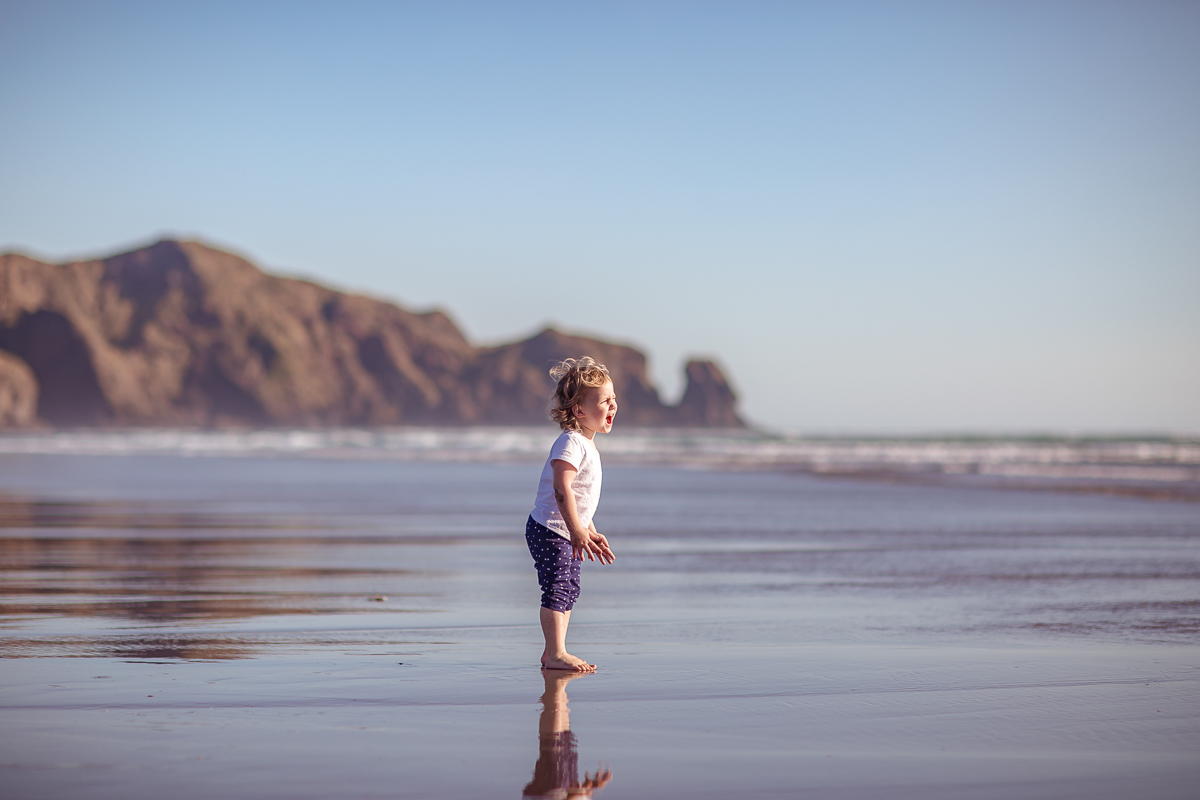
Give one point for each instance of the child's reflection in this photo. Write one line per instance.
(556, 774)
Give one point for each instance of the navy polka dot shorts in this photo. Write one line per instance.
(557, 568)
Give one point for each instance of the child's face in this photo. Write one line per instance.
(595, 414)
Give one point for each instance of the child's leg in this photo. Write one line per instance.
(558, 574)
(555, 656)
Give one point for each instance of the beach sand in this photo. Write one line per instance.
(272, 627)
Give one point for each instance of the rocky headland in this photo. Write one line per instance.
(181, 334)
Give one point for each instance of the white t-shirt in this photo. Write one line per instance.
(581, 453)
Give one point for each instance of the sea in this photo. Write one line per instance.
(353, 613)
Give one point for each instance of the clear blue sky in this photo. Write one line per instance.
(877, 216)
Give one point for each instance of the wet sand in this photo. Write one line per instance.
(190, 627)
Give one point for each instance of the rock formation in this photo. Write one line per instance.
(182, 334)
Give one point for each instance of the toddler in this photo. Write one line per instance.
(560, 531)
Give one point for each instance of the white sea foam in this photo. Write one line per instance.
(1162, 460)
(417, 443)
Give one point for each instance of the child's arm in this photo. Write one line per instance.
(584, 541)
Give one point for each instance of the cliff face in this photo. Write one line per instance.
(181, 334)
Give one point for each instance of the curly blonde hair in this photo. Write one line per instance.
(574, 377)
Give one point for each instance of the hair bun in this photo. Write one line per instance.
(577, 365)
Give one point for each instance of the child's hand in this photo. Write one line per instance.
(592, 545)
(601, 547)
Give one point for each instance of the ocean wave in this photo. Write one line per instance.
(1155, 459)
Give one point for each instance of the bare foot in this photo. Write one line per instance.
(568, 662)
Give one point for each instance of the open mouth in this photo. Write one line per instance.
(609, 418)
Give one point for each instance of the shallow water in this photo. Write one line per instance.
(279, 625)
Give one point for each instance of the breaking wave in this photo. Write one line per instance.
(1162, 460)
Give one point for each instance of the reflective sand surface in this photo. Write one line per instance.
(291, 627)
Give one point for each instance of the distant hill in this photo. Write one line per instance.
(183, 334)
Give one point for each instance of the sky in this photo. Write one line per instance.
(876, 216)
